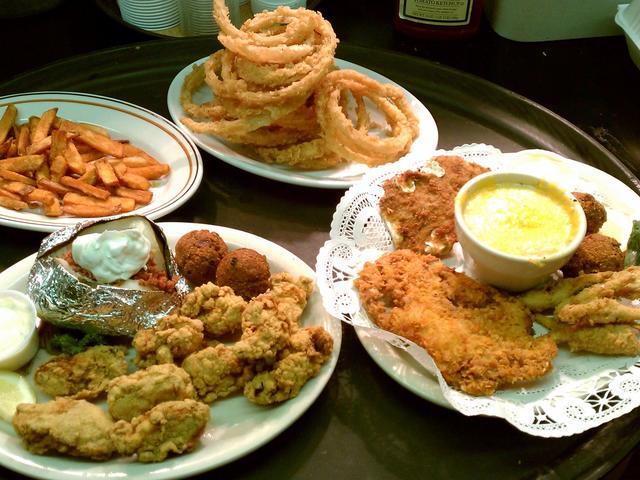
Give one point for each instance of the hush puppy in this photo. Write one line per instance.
(245, 271)
(594, 211)
(596, 253)
(198, 254)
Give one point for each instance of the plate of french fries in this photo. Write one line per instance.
(66, 157)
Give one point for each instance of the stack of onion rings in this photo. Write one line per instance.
(275, 88)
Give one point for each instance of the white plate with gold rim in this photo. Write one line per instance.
(143, 128)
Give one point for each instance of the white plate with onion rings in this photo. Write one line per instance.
(243, 157)
(124, 121)
(236, 427)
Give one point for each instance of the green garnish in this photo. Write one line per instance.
(632, 257)
(72, 343)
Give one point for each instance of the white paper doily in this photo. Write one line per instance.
(582, 391)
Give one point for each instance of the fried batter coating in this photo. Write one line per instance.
(198, 254)
(596, 253)
(84, 375)
(71, 427)
(272, 317)
(612, 339)
(600, 303)
(419, 206)
(480, 338)
(169, 427)
(555, 292)
(135, 394)
(309, 348)
(217, 372)
(594, 211)
(245, 271)
(218, 308)
(173, 338)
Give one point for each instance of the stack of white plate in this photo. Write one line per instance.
(198, 19)
(151, 14)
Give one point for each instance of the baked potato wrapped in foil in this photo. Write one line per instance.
(99, 294)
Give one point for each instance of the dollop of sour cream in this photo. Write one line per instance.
(113, 254)
(520, 219)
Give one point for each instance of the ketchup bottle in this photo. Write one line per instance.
(438, 19)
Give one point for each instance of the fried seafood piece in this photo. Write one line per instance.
(83, 375)
(217, 372)
(173, 338)
(612, 339)
(601, 303)
(557, 291)
(480, 338)
(594, 211)
(218, 308)
(71, 427)
(132, 395)
(169, 427)
(270, 318)
(308, 349)
(418, 206)
(596, 253)
(198, 254)
(245, 271)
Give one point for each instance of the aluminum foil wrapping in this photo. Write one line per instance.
(63, 299)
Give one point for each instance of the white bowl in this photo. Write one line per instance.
(18, 320)
(628, 18)
(514, 270)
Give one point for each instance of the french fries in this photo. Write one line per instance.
(63, 167)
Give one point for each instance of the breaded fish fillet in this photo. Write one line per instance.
(172, 427)
(84, 375)
(418, 206)
(134, 394)
(480, 338)
(72, 427)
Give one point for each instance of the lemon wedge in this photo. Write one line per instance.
(14, 389)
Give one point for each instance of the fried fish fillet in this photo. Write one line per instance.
(169, 427)
(73, 427)
(418, 206)
(612, 339)
(134, 394)
(480, 339)
(84, 375)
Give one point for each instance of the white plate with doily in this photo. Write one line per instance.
(583, 390)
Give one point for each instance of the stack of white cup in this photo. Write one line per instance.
(258, 6)
(197, 16)
(152, 15)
